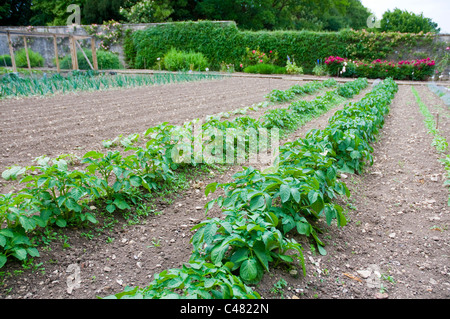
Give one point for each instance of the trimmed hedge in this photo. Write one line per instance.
(226, 43)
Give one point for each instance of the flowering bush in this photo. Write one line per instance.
(109, 33)
(334, 64)
(417, 70)
(254, 57)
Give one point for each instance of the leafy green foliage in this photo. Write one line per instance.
(175, 60)
(225, 42)
(404, 21)
(36, 59)
(197, 279)
(263, 68)
(106, 60)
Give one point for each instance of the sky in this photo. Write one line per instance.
(436, 10)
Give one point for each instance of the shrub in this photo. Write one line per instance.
(175, 60)
(416, 70)
(106, 60)
(320, 70)
(5, 60)
(36, 60)
(292, 68)
(263, 68)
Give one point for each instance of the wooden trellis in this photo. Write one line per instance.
(73, 43)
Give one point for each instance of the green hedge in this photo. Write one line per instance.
(226, 43)
(106, 60)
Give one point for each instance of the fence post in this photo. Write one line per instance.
(11, 53)
(94, 54)
(55, 44)
(26, 52)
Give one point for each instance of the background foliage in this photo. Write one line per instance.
(226, 43)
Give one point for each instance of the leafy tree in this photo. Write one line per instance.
(405, 21)
(98, 11)
(15, 12)
(147, 11)
(47, 12)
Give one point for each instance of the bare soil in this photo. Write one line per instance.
(395, 245)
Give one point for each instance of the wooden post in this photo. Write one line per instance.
(94, 54)
(11, 53)
(55, 44)
(73, 52)
(26, 52)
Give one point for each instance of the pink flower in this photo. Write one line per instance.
(254, 51)
(260, 61)
(271, 51)
(241, 65)
(448, 48)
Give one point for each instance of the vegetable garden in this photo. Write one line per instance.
(254, 222)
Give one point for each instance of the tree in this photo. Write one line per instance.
(98, 11)
(15, 12)
(405, 21)
(147, 11)
(48, 12)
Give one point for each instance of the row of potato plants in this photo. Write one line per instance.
(55, 194)
(260, 208)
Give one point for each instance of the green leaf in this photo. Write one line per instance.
(257, 202)
(210, 188)
(33, 252)
(285, 193)
(93, 154)
(71, 204)
(61, 222)
(3, 260)
(2, 241)
(7, 232)
(321, 250)
(249, 270)
(111, 208)
(295, 194)
(20, 253)
(262, 254)
(27, 223)
(218, 253)
(312, 196)
(209, 232)
(303, 228)
(91, 218)
(121, 204)
(239, 256)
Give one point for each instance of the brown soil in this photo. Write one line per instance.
(396, 243)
